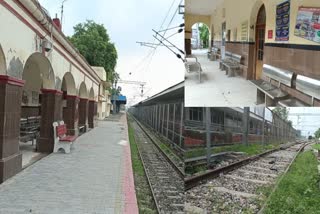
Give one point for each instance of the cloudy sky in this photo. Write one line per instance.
(128, 22)
(305, 119)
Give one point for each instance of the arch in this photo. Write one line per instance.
(68, 84)
(91, 94)
(83, 91)
(38, 71)
(38, 74)
(196, 41)
(3, 64)
(254, 16)
(193, 19)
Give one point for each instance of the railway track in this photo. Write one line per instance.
(164, 177)
(242, 187)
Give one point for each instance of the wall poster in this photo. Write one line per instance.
(308, 24)
(283, 21)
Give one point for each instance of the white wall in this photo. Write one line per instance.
(19, 41)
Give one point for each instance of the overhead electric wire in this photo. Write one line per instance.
(151, 54)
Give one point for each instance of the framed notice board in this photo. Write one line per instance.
(308, 24)
(283, 21)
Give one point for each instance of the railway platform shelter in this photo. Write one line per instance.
(43, 79)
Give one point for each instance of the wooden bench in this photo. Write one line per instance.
(61, 139)
(306, 85)
(192, 65)
(269, 94)
(231, 64)
(29, 129)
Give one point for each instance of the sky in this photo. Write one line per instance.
(308, 121)
(305, 119)
(128, 22)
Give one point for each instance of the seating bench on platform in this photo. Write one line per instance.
(61, 139)
(231, 64)
(214, 54)
(29, 129)
(306, 85)
(269, 94)
(192, 65)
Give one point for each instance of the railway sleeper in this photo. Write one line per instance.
(235, 193)
(247, 179)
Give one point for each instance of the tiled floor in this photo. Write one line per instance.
(217, 89)
(93, 178)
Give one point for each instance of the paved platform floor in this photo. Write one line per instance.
(96, 177)
(29, 155)
(217, 89)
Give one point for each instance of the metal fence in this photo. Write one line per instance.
(165, 119)
(230, 126)
(187, 128)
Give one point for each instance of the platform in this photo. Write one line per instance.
(96, 177)
(216, 88)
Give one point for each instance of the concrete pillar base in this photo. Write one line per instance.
(10, 166)
(51, 111)
(10, 112)
(91, 113)
(187, 46)
(83, 113)
(71, 115)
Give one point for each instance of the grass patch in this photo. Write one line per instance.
(298, 192)
(316, 146)
(144, 195)
(136, 162)
(251, 149)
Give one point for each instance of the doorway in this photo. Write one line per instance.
(260, 40)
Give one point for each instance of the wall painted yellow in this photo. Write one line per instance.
(191, 19)
(234, 13)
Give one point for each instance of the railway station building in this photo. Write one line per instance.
(43, 79)
(281, 34)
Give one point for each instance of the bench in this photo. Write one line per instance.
(306, 85)
(266, 92)
(82, 129)
(61, 139)
(29, 129)
(192, 65)
(214, 54)
(231, 63)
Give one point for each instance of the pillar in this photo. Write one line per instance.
(245, 127)
(207, 120)
(91, 113)
(187, 46)
(51, 111)
(71, 115)
(10, 111)
(83, 113)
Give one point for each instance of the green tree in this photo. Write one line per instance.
(93, 42)
(317, 133)
(283, 113)
(204, 35)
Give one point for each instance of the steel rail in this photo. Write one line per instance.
(193, 181)
(175, 167)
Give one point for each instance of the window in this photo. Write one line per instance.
(196, 114)
(244, 31)
(217, 117)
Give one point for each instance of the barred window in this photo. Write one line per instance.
(196, 114)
